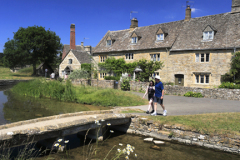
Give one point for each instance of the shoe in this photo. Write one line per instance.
(164, 112)
(147, 112)
(152, 111)
(154, 114)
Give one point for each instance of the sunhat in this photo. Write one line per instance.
(157, 77)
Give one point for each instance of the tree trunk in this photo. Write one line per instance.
(34, 68)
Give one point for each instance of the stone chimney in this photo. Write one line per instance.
(188, 13)
(88, 49)
(134, 24)
(82, 44)
(72, 37)
(235, 6)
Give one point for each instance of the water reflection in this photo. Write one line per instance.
(15, 108)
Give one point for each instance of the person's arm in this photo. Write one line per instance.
(162, 94)
(145, 93)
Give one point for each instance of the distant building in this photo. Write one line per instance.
(195, 51)
(73, 55)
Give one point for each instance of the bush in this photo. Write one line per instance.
(193, 94)
(229, 85)
(79, 74)
(112, 78)
(125, 85)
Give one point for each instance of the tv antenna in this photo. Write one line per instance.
(188, 3)
(131, 14)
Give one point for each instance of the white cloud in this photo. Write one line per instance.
(194, 10)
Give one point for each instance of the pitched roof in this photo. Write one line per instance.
(147, 41)
(82, 56)
(180, 35)
(67, 48)
(226, 27)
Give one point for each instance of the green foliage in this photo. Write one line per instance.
(229, 85)
(30, 46)
(234, 74)
(148, 68)
(117, 66)
(28, 70)
(193, 94)
(79, 74)
(125, 85)
(81, 94)
(112, 78)
(49, 89)
(86, 66)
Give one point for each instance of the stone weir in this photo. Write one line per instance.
(34, 130)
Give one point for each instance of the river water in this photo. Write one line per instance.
(15, 108)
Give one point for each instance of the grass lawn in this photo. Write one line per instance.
(25, 73)
(212, 123)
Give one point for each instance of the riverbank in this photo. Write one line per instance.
(23, 74)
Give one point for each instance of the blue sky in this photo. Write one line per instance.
(93, 18)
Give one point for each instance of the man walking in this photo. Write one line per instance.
(158, 98)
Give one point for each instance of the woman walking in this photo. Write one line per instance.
(150, 91)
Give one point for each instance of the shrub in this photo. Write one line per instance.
(125, 85)
(112, 78)
(229, 85)
(79, 74)
(193, 94)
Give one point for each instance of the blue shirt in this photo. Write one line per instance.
(158, 89)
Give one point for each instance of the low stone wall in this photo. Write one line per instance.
(218, 93)
(144, 127)
(84, 82)
(10, 82)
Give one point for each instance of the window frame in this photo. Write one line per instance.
(202, 57)
(70, 61)
(202, 79)
(208, 35)
(107, 42)
(134, 40)
(128, 56)
(102, 58)
(160, 37)
(155, 57)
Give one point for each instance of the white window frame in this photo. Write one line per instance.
(208, 35)
(202, 78)
(129, 56)
(202, 57)
(102, 75)
(109, 42)
(134, 40)
(155, 57)
(69, 61)
(160, 37)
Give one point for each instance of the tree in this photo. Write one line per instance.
(32, 45)
(148, 68)
(234, 73)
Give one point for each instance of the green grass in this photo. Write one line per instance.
(212, 123)
(132, 111)
(79, 94)
(25, 73)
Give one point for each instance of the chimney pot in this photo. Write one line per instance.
(134, 24)
(235, 6)
(81, 43)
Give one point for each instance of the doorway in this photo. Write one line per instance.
(179, 79)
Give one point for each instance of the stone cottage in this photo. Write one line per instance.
(73, 55)
(195, 51)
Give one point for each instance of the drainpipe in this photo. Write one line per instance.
(167, 63)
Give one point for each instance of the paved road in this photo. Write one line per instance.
(179, 105)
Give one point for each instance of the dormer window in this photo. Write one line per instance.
(160, 34)
(208, 33)
(109, 42)
(134, 39)
(160, 37)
